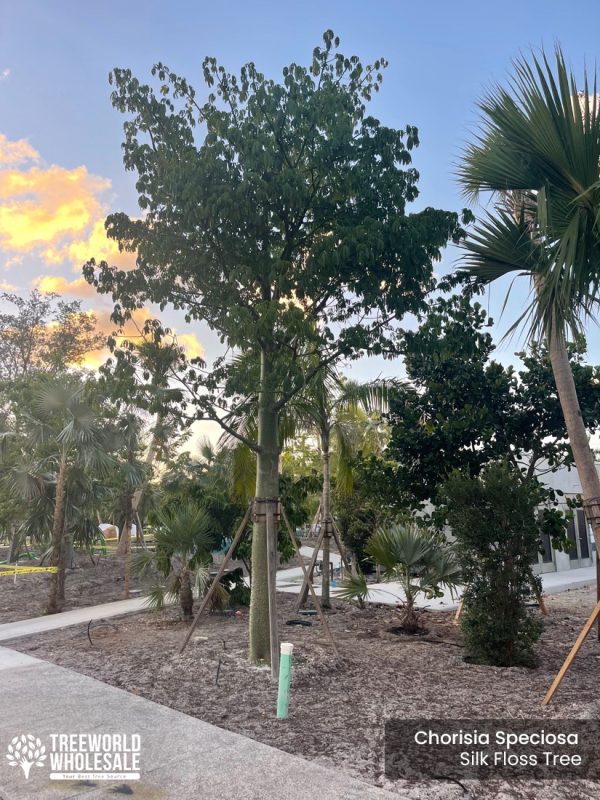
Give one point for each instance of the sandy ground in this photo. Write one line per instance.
(338, 706)
(88, 584)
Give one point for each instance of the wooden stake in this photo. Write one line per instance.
(340, 546)
(542, 605)
(459, 610)
(574, 650)
(310, 585)
(208, 596)
(302, 597)
(272, 558)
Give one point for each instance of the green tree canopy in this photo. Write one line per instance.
(275, 212)
(461, 409)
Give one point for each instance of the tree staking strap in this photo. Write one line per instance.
(259, 508)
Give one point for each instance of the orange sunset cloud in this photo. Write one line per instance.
(52, 212)
(49, 284)
(132, 332)
(17, 152)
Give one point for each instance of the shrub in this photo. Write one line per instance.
(495, 522)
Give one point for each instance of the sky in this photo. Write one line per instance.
(61, 171)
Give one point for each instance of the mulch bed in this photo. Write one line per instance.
(338, 707)
(89, 584)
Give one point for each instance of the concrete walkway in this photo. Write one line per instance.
(288, 580)
(50, 622)
(181, 757)
(390, 593)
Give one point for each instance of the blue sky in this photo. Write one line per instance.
(60, 131)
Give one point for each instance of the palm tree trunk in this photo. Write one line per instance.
(126, 551)
(134, 500)
(326, 518)
(186, 598)
(267, 486)
(15, 544)
(578, 439)
(57, 582)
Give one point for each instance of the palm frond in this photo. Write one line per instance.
(541, 136)
(354, 587)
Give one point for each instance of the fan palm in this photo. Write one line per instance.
(65, 435)
(184, 538)
(538, 153)
(415, 559)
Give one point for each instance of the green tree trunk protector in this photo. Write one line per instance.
(285, 677)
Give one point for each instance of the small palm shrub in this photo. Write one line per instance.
(184, 538)
(416, 559)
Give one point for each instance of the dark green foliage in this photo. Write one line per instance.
(236, 588)
(264, 191)
(358, 516)
(462, 409)
(494, 519)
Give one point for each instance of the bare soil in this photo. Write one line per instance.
(338, 706)
(88, 584)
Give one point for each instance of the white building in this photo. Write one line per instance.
(583, 552)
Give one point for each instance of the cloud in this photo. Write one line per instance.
(191, 345)
(17, 152)
(46, 206)
(95, 245)
(52, 212)
(5, 286)
(79, 287)
(132, 332)
(5, 74)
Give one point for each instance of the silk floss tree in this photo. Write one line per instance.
(538, 153)
(275, 213)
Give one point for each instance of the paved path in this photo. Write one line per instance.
(181, 757)
(50, 622)
(288, 580)
(389, 593)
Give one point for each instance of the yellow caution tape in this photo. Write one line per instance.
(11, 569)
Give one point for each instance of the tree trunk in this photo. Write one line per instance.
(186, 598)
(267, 486)
(15, 545)
(124, 547)
(57, 582)
(134, 500)
(578, 439)
(326, 517)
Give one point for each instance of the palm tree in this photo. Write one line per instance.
(325, 408)
(414, 558)
(538, 153)
(65, 436)
(156, 361)
(183, 539)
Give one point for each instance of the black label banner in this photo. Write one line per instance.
(480, 749)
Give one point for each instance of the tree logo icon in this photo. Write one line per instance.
(26, 750)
